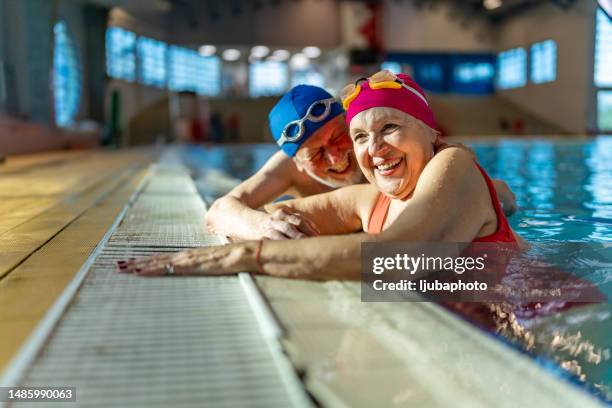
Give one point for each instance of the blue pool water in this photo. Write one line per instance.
(563, 188)
(564, 194)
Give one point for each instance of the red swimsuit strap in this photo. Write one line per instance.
(503, 233)
(379, 214)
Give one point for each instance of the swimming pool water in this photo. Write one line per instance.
(563, 189)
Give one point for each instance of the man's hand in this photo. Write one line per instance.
(287, 224)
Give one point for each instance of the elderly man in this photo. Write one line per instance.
(316, 156)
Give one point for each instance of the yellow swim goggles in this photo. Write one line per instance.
(394, 84)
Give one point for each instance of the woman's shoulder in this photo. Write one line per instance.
(454, 162)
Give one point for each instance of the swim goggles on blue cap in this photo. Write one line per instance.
(295, 130)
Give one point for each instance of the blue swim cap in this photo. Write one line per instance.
(292, 107)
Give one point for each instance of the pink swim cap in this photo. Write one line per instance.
(410, 99)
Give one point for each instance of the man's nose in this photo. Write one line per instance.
(335, 154)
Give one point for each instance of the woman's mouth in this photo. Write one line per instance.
(387, 167)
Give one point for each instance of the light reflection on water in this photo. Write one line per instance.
(564, 194)
(563, 188)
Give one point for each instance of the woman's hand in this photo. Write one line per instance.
(284, 223)
(212, 261)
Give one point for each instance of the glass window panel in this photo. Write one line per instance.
(190, 71)
(392, 66)
(604, 110)
(544, 62)
(66, 76)
(268, 78)
(152, 61)
(120, 57)
(512, 68)
(309, 76)
(603, 49)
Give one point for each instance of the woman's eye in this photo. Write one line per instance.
(359, 138)
(389, 127)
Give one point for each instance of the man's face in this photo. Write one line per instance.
(328, 157)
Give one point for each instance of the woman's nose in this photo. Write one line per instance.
(376, 145)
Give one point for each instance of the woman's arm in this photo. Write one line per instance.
(338, 212)
(321, 258)
(451, 202)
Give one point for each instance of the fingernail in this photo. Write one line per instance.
(121, 262)
(138, 270)
(122, 266)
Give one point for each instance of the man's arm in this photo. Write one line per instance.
(506, 197)
(236, 214)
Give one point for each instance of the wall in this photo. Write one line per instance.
(435, 27)
(134, 99)
(565, 101)
(288, 23)
(16, 57)
(3, 90)
(27, 33)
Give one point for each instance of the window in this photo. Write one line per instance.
(152, 61)
(392, 66)
(120, 58)
(473, 77)
(268, 78)
(604, 110)
(189, 71)
(544, 62)
(603, 50)
(430, 75)
(66, 76)
(310, 76)
(512, 68)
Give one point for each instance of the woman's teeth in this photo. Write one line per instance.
(388, 165)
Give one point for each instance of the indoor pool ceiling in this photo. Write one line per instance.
(195, 11)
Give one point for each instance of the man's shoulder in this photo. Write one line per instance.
(280, 164)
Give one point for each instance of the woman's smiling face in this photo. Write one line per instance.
(392, 149)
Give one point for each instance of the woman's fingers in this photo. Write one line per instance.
(200, 261)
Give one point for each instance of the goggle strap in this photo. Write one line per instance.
(414, 91)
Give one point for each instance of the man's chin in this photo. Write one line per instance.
(350, 179)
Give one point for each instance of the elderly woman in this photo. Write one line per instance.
(417, 192)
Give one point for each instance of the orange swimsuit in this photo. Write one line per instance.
(503, 233)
